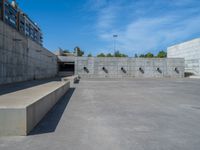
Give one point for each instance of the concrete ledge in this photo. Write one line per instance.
(194, 77)
(72, 79)
(21, 111)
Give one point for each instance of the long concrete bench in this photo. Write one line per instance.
(72, 79)
(22, 110)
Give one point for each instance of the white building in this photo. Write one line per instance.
(189, 50)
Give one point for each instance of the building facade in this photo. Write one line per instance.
(190, 51)
(22, 56)
(13, 16)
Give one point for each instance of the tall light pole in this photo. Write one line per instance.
(114, 39)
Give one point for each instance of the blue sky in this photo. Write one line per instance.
(141, 25)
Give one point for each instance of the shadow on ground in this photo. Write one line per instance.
(50, 121)
(9, 88)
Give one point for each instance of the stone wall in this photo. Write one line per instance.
(92, 67)
(21, 59)
(190, 51)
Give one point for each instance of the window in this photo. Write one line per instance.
(1, 9)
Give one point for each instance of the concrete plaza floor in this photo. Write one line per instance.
(139, 114)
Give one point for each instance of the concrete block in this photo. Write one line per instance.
(21, 111)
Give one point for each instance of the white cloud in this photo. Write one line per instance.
(149, 27)
(149, 34)
(96, 4)
(106, 17)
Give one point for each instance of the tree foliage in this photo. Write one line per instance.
(78, 51)
(136, 56)
(162, 54)
(116, 54)
(64, 50)
(109, 55)
(90, 55)
(101, 55)
(142, 56)
(149, 55)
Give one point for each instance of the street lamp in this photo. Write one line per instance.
(114, 39)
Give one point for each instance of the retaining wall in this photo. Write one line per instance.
(92, 67)
(21, 59)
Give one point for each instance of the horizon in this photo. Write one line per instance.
(91, 24)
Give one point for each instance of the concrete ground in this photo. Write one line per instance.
(141, 114)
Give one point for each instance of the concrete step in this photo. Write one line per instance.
(22, 110)
(194, 77)
(73, 79)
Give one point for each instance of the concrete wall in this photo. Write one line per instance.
(91, 67)
(22, 59)
(190, 51)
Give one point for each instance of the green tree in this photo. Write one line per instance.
(78, 51)
(162, 54)
(118, 54)
(149, 55)
(109, 55)
(90, 55)
(66, 51)
(142, 56)
(101, 55)
(136, 56)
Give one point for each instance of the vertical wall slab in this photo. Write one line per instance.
(190, 51)
(129, 67)
(22, 59)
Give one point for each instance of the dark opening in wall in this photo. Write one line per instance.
(67, 69)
